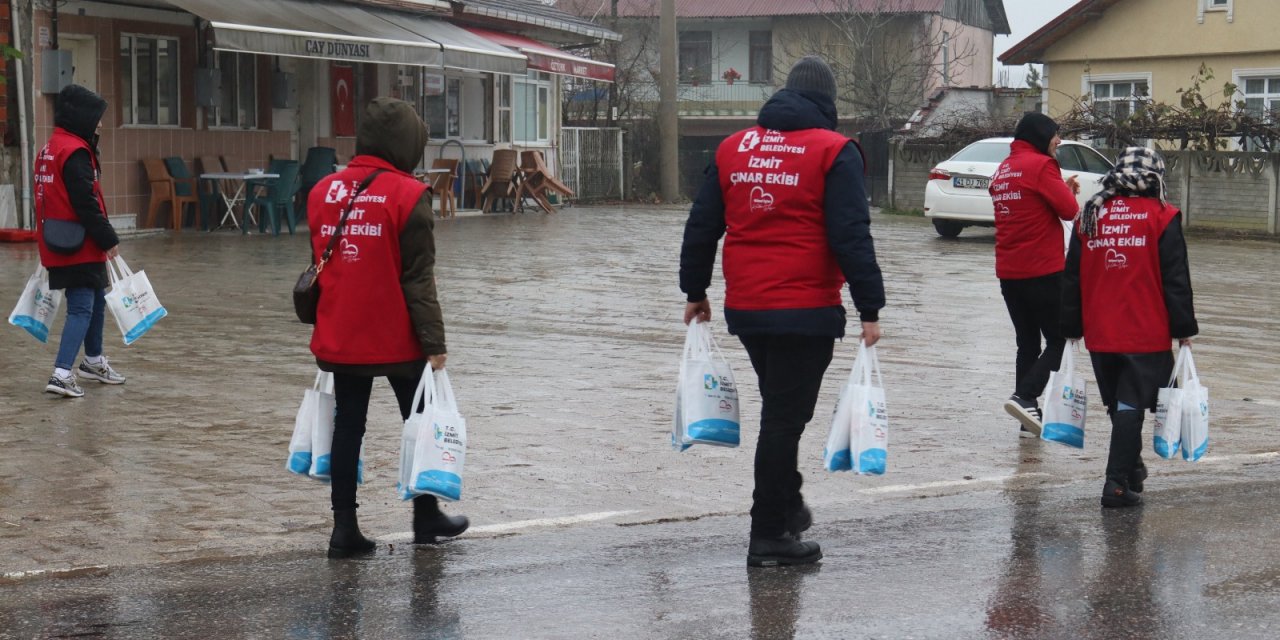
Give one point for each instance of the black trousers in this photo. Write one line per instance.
(790, 370)
(351, 394)
(1035, 306)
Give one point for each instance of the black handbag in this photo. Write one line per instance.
(306, 291)
(62, 236)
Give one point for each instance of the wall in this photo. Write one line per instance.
(1221, 190)
(975, 69)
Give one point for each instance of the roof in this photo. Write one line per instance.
(768, 8)
(1033, 48)
(536, 13)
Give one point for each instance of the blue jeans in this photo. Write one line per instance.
(86, 309)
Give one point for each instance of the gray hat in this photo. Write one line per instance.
(811, 73)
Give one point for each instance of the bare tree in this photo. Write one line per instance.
(886, 55)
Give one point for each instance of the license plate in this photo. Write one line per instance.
(970, 183)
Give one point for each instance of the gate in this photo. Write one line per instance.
(875, 146)
(591, 162)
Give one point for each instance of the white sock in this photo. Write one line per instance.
(62, 373)
(93, 359)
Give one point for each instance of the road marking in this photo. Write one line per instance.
(507, 527)
(19, 575)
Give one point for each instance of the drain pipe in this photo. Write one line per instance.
(16, 19)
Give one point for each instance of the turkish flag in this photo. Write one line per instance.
(344, 102)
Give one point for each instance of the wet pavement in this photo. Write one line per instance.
(161, 508)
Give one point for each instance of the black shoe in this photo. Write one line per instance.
(1116, 495)
(782, 551)
(346, 540)
(799, 521)
(1137, 477)
(429, 522)
(1028, 413)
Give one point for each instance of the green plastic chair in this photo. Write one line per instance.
(319, 163)
(184, 185)
(274, 196)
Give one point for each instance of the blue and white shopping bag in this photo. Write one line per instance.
(38, 305)
(439, 442)
(1066, 402)
(706, 409)
(132, 301)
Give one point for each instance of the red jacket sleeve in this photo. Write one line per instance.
(1056, 192)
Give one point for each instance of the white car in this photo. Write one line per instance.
(956, 195)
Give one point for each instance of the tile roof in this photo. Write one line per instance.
(766, 8)
(1032, 48)
(536, 13)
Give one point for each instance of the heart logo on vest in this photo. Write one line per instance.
(1116, 260)
(761, 201)
(350, 252)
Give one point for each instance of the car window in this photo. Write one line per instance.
(1094, 162)
(983, 152)
(1068, 159)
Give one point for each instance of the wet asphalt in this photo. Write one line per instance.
(161, 508)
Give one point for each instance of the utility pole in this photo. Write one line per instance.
(668, 122)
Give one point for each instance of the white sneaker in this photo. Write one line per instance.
(66, 387)
(102, 372)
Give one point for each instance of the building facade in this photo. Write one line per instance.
(250, 80)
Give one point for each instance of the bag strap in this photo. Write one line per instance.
(333, 240)
(444, 399)
(426, 387)
(1189, 366)
(873, 368)
(1178, 364)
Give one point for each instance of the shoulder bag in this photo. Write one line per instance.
(306, 292)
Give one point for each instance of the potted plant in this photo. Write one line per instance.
(730, 75)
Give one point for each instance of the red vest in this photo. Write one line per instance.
(363, 318)
(53, 201)
(1121, 289)
(1031, 200)
(775, 247)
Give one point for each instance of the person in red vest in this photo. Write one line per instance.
(1031, 202)
(379, 315)
(1127, 292)
(789, 199)
(67, 188)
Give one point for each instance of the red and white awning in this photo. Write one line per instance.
(545, 57)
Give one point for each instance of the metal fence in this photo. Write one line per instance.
(591, 162)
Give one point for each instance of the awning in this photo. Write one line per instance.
(545, 57)
(325, 31)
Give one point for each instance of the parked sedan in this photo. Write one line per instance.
(956, 195)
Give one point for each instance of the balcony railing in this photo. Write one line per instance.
(714, 98)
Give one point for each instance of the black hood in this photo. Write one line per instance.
(392, 130)
(794, 110)
(1037, 130)
(78, 110)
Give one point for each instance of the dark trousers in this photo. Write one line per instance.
(790, 370)
(1035, 308)
(351, 394)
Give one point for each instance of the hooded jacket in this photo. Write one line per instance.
(77, 112)
(1031, 200)
(846, 221)
(379, 314)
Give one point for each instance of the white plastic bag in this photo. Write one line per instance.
(1167, 430)
(836, 455)
(440, 447)
(1195, 413)
(38, 305)
(132, 301)
(706, 395)
(300, 453)
(1066, 402)
(868, 419)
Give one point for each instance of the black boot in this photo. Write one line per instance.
(781, 551)
(429, 522)
(346, 540)
(1137, 477)
(1126, 447)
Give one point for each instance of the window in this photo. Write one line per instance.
(238, 100)
(504, 108)
(695, 56)
(1220, 6)
(1093, 161)
(149, 80)
(532, 100)
(1261, 97)
(1119, 99)
(760, 65)
(946, 58)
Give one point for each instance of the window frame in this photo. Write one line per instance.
(1089, 82)
(1207, 6)
(541, 122)
(702, 71)
(211, 113)
(132, 93)
(764, 75)
(1239, 77)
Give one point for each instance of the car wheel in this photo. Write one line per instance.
(947, 228)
